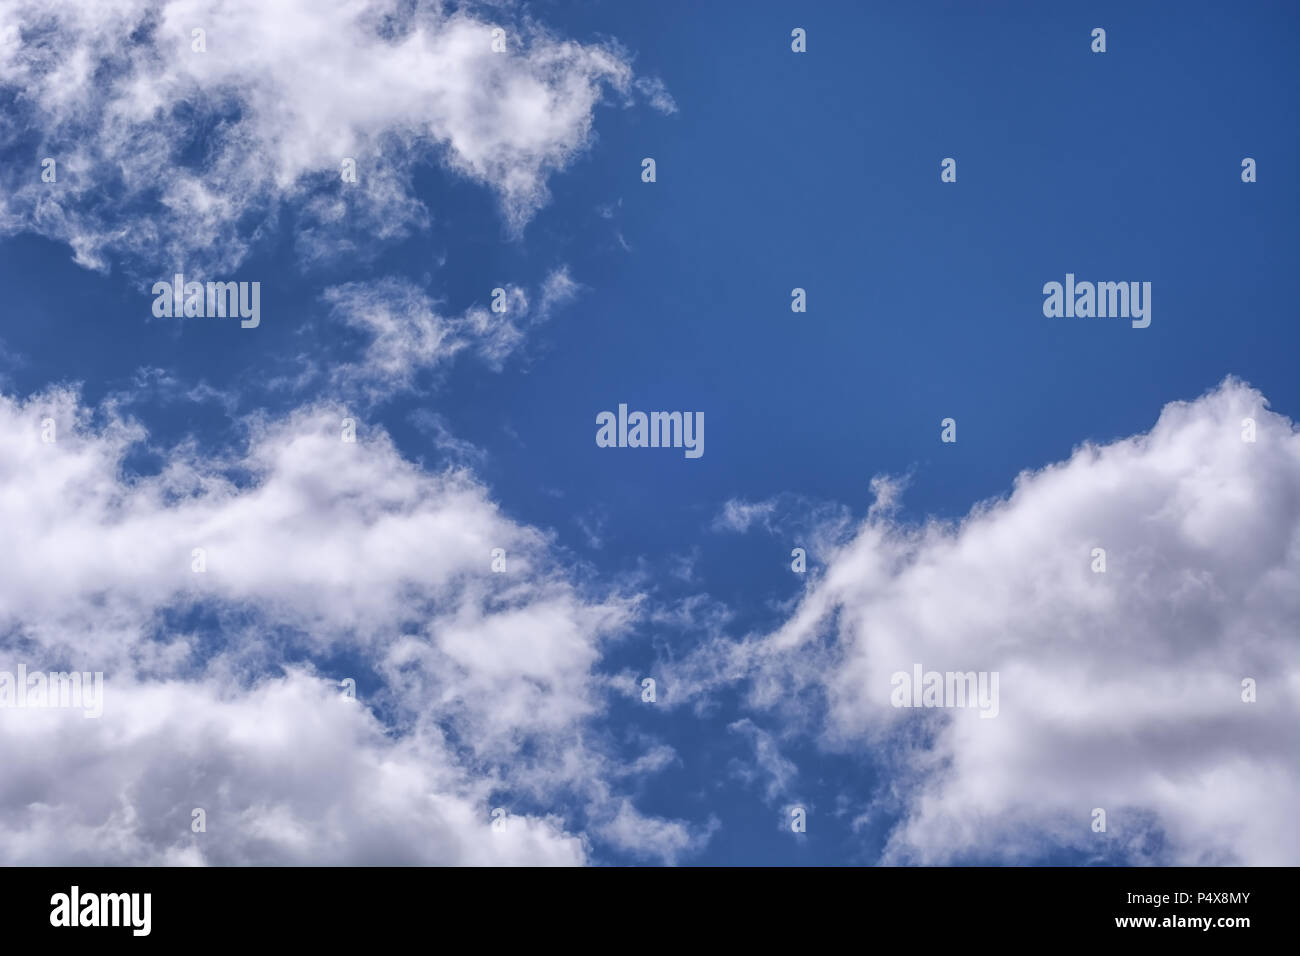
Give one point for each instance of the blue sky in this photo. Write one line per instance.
(775, 170)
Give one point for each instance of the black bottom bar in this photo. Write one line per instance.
(647, 907)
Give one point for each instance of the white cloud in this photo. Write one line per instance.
(777, 771)
(317, 550)
(738, 515)
(643, 836)
(811, 522)
(287, 772)
(1119, 690)
(172, 157)
(405, 331)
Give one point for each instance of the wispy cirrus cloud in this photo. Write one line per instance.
(404, 331)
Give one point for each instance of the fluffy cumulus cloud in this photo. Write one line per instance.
(225, 596)
(1119, 690)
(178, 157)
(285, 772)
(320, 559)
